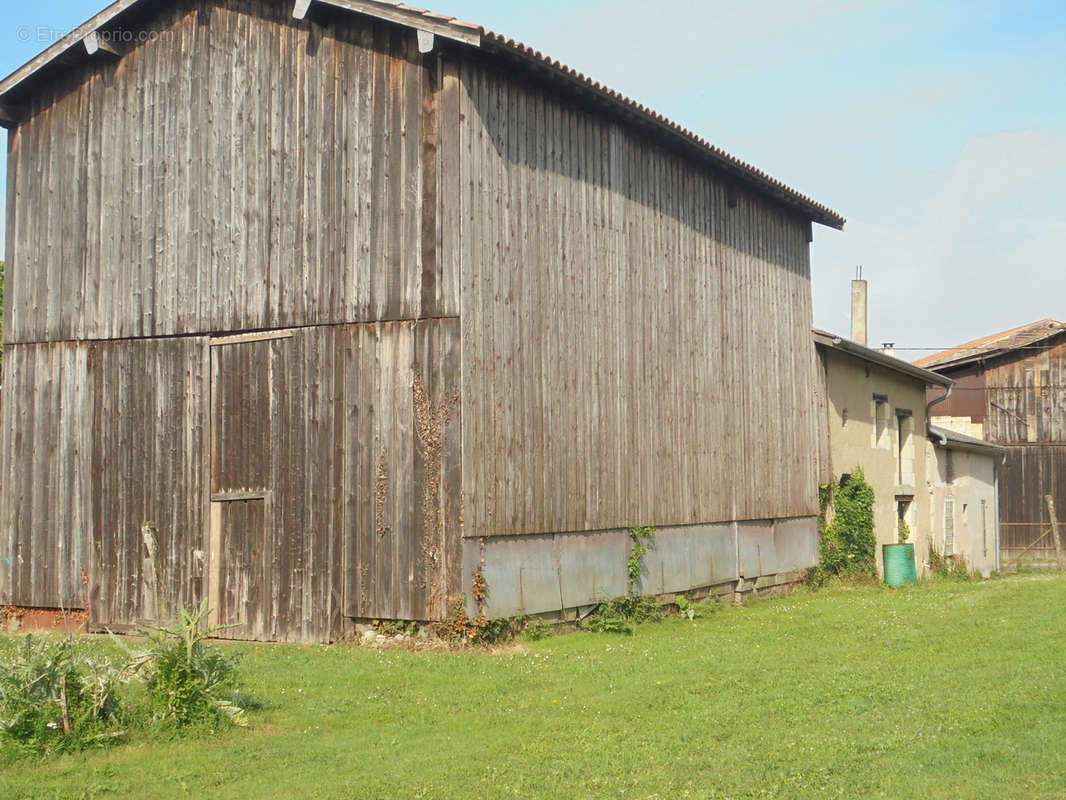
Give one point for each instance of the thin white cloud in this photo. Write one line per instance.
(986, 252)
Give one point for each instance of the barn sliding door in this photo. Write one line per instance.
(241, 551)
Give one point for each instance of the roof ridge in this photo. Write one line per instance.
(988, 342)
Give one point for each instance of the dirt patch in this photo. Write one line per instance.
(435, 644)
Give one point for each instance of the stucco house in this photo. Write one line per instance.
(875, 418)
(875, 412)
(963, 484)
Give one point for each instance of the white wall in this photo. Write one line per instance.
(967, 486)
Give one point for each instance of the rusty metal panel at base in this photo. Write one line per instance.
(521, 575)
(679, 559)
(796, 544)
(547, 573)
(755, 543)
(768, 547)
(589, 566)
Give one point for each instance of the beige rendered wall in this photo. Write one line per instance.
(969, 484)
(856, 440)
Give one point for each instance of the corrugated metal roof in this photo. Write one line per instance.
(470, 33)
(632, 109)
(994, 345)
(961, 441)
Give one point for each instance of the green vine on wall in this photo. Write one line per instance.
(903, 530)
(848, 544)
(641, 537)
(618, 615)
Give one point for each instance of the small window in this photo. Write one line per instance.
(882, 438)
(903, 521)
(905, 444)
(984, 527)
(949, 526)
(949, 467)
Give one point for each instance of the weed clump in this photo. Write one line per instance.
(57, 695)
(186, 682)
(620, 614)
(56, 699)
(951, 568)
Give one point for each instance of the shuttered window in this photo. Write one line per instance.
(984, 526)
(949, 526)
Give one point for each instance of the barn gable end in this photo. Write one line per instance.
(349, 313)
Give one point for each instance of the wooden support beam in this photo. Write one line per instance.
(1055, 531)
(243, 338)
(299, 11)
(410, 17)
(96, 45)
(10, 115)
(425, 42)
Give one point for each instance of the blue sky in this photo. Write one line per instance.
(937, 128)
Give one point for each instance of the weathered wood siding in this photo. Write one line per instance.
(1029, 474)
(636, 332)
(239, 171)
(1026, 397)
(349, 436)
(148, 419)
(342, 461)
(403, 470)
(45, 476)
(634, 343)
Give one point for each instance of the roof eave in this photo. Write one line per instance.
(465, 34)
(843, 345)
(641, 114)
(959, 442)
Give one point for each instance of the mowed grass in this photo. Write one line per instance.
(948, 690)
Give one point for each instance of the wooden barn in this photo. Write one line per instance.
(1010, 387)
(354, 301)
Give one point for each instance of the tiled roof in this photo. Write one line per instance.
(996, 344)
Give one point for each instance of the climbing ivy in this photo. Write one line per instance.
(641, 536)
(848, 546)
(618, 615)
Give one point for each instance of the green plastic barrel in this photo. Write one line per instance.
(899, 564)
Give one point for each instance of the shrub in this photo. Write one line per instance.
(58, 695)
(903, 530)
(619, 615)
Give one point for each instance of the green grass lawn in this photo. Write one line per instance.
(948, 690)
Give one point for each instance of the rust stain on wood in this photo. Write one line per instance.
(431, 421)
(381, 493)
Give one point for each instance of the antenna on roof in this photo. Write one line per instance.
(858, 272)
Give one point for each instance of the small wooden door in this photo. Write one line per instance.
(240, 580)
(241, 573)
